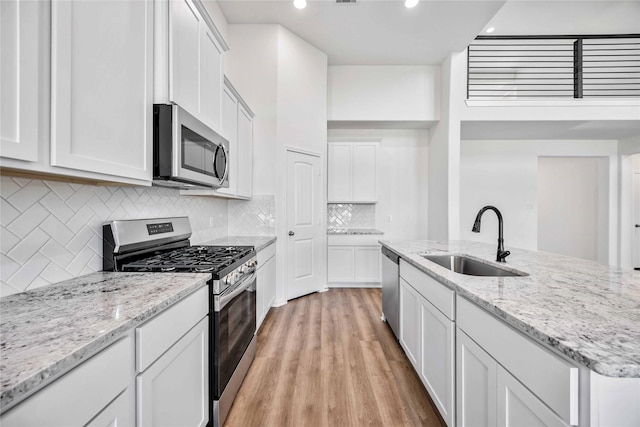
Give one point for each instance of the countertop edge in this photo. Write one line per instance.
(549, 343)
(40, 379)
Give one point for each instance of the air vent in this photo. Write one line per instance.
(346, 1)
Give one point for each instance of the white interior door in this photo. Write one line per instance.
(304, 208)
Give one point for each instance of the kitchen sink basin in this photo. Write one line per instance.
(471, 267)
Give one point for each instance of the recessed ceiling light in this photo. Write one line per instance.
(300, 4)
(410, 3)
(490, 30)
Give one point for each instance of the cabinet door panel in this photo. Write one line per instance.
(339, 180)
(230, 132)
(517, 406)
(270, 277)
(245, 153)
(184, 28)
(23, 67)
(475, 384)
(118, 413)
(364, 172)
(101, 87)
(340, 264)
(175, 389)
(210, 78)
(410, 323)
(367, 264)
(437, 349)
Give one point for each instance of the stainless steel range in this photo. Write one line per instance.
(162, 245)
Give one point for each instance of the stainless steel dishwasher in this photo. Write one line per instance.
(391, 290)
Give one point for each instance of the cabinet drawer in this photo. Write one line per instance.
(156, 336)
(265, 254)
(441, 296)
(552, 379)
(78, 396)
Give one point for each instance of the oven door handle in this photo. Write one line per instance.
(226, 299)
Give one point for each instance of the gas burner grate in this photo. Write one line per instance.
(193, 258)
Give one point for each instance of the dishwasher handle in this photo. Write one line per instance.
(394, 257)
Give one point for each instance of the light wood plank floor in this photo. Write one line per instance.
(327, 359)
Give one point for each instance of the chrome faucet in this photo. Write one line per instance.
(502, 254)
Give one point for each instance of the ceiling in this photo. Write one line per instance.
(384, 32)
(373, 32)
(559, 130)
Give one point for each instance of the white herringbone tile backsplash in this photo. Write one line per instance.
(52, 231)
(254, 217)
(351, 215)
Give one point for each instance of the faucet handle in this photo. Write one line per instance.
(502, 255)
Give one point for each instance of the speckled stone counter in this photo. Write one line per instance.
(259, 242)
(587, 311)
(48, 331)
(354, 231)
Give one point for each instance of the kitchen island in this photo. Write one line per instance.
(587, 315)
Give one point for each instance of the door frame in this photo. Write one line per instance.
(282, 234)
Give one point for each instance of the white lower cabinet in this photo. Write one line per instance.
(95, 393)
(427, 337)
(517, 406)
(175, 389)
(475, 384)
(266, 283)
(117, 414)
(353, 261)
(410, 322)
(437, 358)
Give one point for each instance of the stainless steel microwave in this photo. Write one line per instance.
(186, 152)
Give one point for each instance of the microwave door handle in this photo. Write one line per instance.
(226, 164)
(226, 299)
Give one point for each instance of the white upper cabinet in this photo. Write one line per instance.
(352, 172)
(237, 128)
(189, 60)
(101, 87)
(245, 152)
(23, 71)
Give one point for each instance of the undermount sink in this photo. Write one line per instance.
(471, 267)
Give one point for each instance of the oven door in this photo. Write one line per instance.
(234, 325)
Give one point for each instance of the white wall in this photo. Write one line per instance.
(402, 180)
(383, 93)
(570, 219)
(252, 67)
(505, 174)
(283, 79)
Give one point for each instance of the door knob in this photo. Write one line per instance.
(291, 233)
(637, 225)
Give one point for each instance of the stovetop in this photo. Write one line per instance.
(213, 259)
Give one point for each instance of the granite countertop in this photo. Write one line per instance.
(260, 242)
(48, 331)
(587, 311)
(353, 231)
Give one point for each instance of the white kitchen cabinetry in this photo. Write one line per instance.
(94, 393)
(532, 385)
(410, 323)
(76, 90)
(24, 107)
(476, 384)
(101, 87)
(353, 261)
(193, 54)
(427, 332)
(266, 283)
(172, 358)
(352, 172)
(237, 128)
